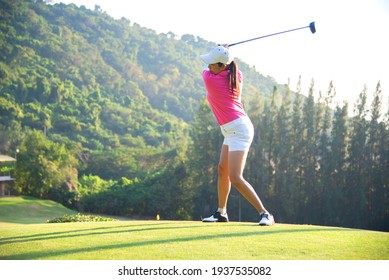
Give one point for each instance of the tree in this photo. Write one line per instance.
(283, 148)
(338, 165)
(204, 158)
(382, 195)
(297, 165)
(377, 177)
(309, 156)
(46, 169)
(269, 137)
(356, 182)
(257, 164)
(324, 156)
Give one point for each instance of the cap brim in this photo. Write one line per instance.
(207, 59)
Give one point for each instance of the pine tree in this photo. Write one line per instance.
(354, 211)
(376, 175)
(309, 155)
(271, 141)
(256, 166)
(324, 156)
(383, 192)
(338, 165)
(282, 151)
(297, 165)
(204, 157)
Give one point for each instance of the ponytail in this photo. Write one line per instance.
(234, 79)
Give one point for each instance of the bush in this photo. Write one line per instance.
(80, 218)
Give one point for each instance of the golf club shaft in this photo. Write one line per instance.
(249, 40)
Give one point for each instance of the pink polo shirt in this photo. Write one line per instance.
(223, 105)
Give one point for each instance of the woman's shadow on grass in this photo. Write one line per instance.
(131, 229)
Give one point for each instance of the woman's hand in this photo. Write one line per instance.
(224, 45)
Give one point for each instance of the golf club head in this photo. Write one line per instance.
(312, 27)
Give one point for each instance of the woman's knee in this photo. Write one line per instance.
(236, 179)
(222, 171)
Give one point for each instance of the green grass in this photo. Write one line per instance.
(186, 240)
(29, 210)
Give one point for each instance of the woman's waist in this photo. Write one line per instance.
(244, 119)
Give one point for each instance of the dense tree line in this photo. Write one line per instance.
(109, 117)
(310, 162)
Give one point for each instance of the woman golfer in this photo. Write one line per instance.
(223, 82)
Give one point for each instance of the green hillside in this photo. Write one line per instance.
(83, 77)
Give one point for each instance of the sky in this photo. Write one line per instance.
(350, 47)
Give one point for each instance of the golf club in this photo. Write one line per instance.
(311, 27)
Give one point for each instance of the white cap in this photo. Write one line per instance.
(217, 54)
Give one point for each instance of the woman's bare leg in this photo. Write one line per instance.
(236, 164)
(223, 180)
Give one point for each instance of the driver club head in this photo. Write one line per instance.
(312, 27)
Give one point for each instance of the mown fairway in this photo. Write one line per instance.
(185, 240)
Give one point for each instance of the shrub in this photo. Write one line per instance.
(80, 218)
